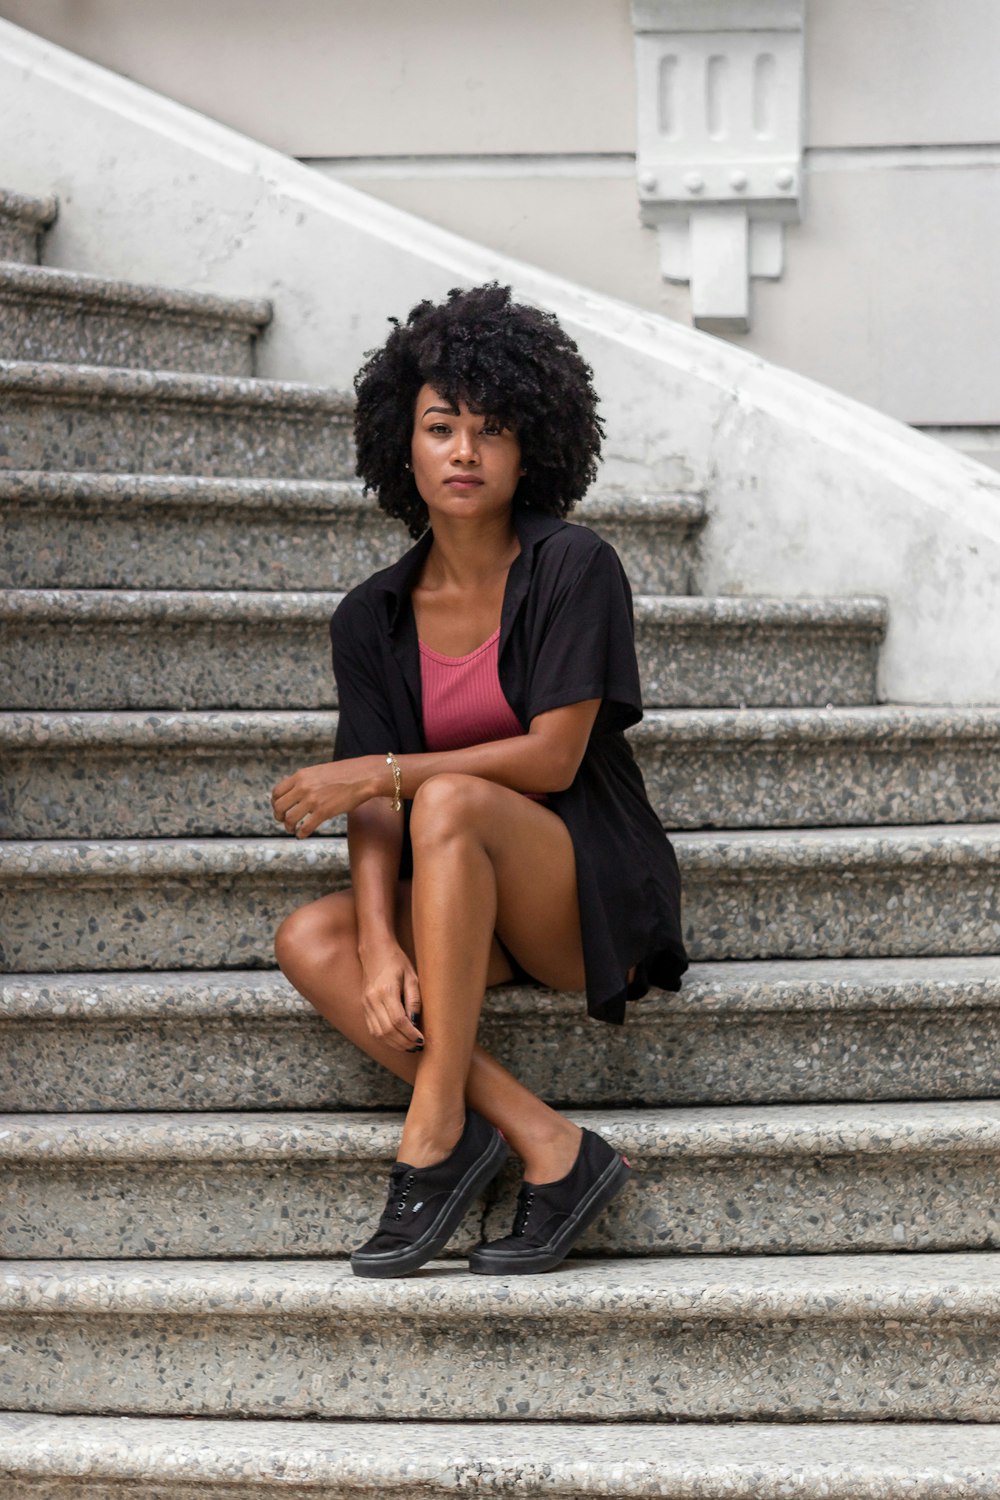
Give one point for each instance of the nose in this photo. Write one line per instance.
(464, 449)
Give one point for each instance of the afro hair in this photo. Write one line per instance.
(504, 360)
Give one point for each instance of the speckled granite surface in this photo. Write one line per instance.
(73, 417)
(218, 649)
(792, 893)
(48, 314)
(693, 1461)
(157, 904)
(770, 768)
(822, 1029)
(778, 1179)
(158, 531)
(166, 774)
(732, 651)
(854, 1337)
(22, 221)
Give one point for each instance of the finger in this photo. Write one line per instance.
(404, 1033)
(281, 790)
(294, 813)
(283, 804)
(411, 999)
(385, 1020)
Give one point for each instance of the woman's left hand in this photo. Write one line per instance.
(309, 797)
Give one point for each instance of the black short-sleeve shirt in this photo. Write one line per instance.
(566, 634)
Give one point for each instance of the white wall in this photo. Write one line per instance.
(514, 125)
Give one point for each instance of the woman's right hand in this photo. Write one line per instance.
(392, 997)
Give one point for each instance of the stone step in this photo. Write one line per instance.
(75, 318)
(177, 1458)
(215, 903)
(23, 221)
(766, 1180)
(840, 1029)
(73, 417)
(160, 531)
(217, 649)
(904, 1337)
(167, 774)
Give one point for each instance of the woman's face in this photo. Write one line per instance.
(463, 463)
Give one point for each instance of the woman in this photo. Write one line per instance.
(498, 826)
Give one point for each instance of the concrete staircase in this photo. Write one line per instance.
(799, 1295)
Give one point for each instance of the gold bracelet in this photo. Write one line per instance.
(397, 781)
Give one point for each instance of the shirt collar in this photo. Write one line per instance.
(397, 581)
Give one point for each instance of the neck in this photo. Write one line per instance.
(467, 554)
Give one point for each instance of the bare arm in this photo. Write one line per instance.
(546, 759)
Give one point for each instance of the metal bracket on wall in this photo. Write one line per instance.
(719, 162)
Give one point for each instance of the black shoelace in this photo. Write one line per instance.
(525, 1198)
(401, 1180)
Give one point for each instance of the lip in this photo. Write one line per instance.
(465, 482)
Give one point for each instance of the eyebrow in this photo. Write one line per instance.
(449, 411)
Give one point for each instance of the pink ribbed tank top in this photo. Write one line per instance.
(463, 702)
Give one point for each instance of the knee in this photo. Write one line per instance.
(446, 805)
(307, 936)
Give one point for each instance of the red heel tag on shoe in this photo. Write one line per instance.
(626, 1160)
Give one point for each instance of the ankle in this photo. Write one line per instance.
(425, 1142)
(550, 1154)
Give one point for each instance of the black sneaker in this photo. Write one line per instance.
(426, 1204)
(551, 1216)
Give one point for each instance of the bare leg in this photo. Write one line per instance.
(522, 883)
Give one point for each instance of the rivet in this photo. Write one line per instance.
(694, 182)
(785, 178)
(738, 180)
(647, 181)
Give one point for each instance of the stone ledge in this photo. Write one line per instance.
(891, 725)
(96, 383)
(863, 616)
(815, 1288)
(690, 650)
(102, 491)
(877, 1029)
(148, 531)
(788, 1179)
(285, 1460)
(960, 1127)
(739, 855)
(197, 774)
(901, 1338)
(166, 903)
(47, 284)
(749, 988)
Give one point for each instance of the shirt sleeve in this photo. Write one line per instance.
(586, 645)
(365, 725)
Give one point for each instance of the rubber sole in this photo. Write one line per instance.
(486, 1262)
(437, 1235)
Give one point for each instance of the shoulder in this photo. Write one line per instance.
(573, 543)
(353, 615)
(572, 552)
